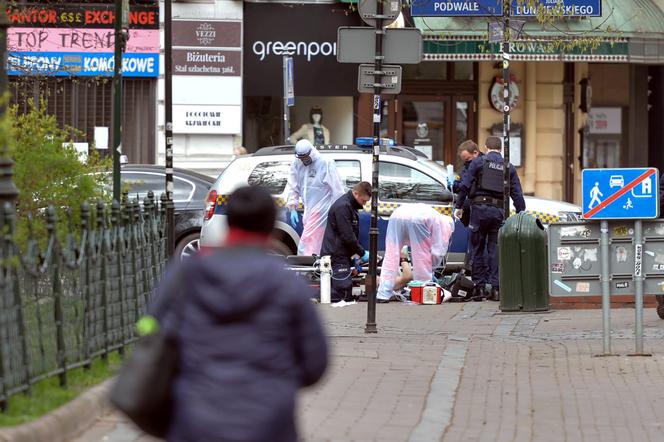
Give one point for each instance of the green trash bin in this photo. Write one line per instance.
(522, 243)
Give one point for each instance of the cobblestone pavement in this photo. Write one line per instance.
(465, 372)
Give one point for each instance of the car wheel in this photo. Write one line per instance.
(280, 248)
(188, 246)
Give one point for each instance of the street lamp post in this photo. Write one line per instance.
(168, 125)
(121, 25)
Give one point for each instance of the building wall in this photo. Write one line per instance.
(205, 153)
(546, 114)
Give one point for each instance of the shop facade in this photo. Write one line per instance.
(597, 107)
(207, 85)
(63, 52)
(308, 34)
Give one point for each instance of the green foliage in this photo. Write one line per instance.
(47, 395)
(47, 167)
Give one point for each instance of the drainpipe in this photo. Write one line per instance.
(531, 128)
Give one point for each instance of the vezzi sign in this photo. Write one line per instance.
(305, 49)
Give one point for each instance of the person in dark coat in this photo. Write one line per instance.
(468, 151)
(342, 239)
(247, 334)
(483, 183)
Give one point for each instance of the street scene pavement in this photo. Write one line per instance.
(466, 372)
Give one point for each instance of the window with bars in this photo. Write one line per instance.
(86, 103)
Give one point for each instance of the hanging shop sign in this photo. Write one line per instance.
(305, 32)
(207, 47)
(79, 40)
(81, 15)
(206, 119)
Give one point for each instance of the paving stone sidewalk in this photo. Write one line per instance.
(465, 372)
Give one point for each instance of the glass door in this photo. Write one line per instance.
(436, 125)
(423, 123)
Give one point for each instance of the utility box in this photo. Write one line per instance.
(522, 243)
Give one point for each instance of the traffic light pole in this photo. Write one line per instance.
(373, 229)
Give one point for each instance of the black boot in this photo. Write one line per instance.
(478, 294)
(495, 294)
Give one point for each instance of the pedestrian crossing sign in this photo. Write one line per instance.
(631, 193)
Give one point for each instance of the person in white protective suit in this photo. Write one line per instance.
(428, 234)
(315, 179)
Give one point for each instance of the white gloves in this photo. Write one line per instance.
(458, 213)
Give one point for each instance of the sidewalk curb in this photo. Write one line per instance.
(66, 421)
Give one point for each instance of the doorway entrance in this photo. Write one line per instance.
(436, 125)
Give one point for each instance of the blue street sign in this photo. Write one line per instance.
(450, 8)
(620, 193)
(479, 8)
(290, 88)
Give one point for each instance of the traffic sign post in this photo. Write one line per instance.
(377, 46)
(617, 256)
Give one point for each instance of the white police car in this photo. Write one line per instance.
(406, 176)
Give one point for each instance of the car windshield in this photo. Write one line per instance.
(437, 169)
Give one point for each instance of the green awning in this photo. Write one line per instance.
(635, 35)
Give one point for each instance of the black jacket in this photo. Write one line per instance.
(247, 337)
(342, 234)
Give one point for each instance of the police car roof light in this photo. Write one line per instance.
(368, 141)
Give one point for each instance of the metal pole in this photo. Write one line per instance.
(117, 99)
(638, 286)
(286, 110)
(168, 129)
(606, 288)
(373, 230)
(506, 107)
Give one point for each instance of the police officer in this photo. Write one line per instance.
(342, 239)
(483, 183)
(468, 151)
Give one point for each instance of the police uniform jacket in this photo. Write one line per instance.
(473, 174)
(342, 233)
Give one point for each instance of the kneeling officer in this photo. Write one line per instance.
(483, 182)
(342, 239)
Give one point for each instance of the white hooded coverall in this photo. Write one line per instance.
(319, 185)
(428, 234)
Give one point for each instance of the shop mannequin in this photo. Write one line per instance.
(314, 131)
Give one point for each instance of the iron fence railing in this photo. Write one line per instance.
(79, 298)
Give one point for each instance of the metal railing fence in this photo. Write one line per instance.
(78, 299)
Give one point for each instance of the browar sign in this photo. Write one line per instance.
(79, 40)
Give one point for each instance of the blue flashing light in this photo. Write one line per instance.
(368, 141)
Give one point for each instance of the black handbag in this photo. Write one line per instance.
(143, 389)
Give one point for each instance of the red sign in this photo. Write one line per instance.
(81, 16)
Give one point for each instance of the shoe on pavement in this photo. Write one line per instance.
(382, 301)
(398, 297)
(495, 294)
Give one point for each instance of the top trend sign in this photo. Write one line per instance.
(620, 193)
(483, 8)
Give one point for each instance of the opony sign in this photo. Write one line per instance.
(80, 64)
(449, 8)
